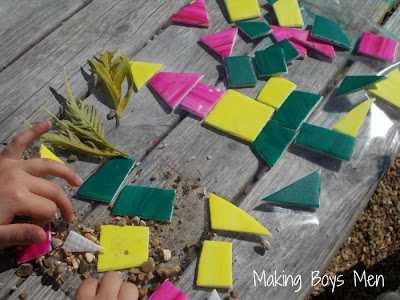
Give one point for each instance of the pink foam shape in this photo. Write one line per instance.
(28, 252)
(221, 42)
(193, 14)
(168, 291)
(318, 45)
(202, 99)
(378, 46)
(173, 87)
(282, 33)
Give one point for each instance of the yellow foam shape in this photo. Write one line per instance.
(276, 91)
(240, 10)
(127, 247)
(143, 71)
(46, 153)
(226, 216)
(388, 89)
(239, 116)
(288, 13)
(215, 265)
(351, 122)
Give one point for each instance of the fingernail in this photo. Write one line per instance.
(79, 180)
(45, 123)
(35, 237)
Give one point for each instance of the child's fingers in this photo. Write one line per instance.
(110, 285)
(17, 146)
(40, 167)
(128, 291)
(21, 234)
(87, 290)
(31, 205)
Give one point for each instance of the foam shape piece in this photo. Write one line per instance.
(296, 109)
(28, 252)
(271, 1)
(351, 84)
(168, 291)
(46, 153)
(288, 13)
(240, 71)
(304, 192)
(214, 295)
(270, 62)
(388, 89)
(240, 10)
(78, 243)
(145, 202)
(221, 42)
(193, 14)
(226, 216)
(254, 30)
(142, 72)
(318, 45)
(378, 46)
(351, 122)
(201, 100)
(288, 49)
(327, 141)
(127, 247)
(327, 30)
(276, 91)
(239, 116)
(104, 184)
(282, 33)
(273, 141)
(215, 265)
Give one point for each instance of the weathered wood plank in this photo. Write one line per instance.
(25, 23)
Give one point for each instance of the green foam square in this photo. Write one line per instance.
(351, 84)
(254, 30)
(145, 202)
(240, 71)
(270, 62)
(327, 141)
(288, 49)
(273, 141)
(106, 181)
(327, 30)
(296, 109)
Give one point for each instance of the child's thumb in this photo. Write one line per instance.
(21, 234)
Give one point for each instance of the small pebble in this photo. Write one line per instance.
(89, 257)
(132, 278)
(136, 221)
(154, 177)
(126, 252)
(234, 294)
(72, 158)
(1, 285)
(265, 244)
(143, 292)
(209, 157)
(56, 242)
(24, 270)
(142, 223)
(148, 266)
(23, 296)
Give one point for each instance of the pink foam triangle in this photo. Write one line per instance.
(316, 44)
(173, 87)
(29, 252)
(193, 14)
(282, 33)
(221, 42)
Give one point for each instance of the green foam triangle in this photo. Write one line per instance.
(254, 30)
(327, 30)
(304, 192)
(356, 83)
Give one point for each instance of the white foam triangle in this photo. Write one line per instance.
(214, 295)
(78, 243)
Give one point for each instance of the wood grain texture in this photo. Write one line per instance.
(25, 23)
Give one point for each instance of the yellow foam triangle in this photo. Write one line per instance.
(142, 71)
(388, 89)
(226, 216)
(46, 153)
(351, 122)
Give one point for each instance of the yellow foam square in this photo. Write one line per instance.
(276, 91)
(127, 247)
(388, 89)
(46, 153)
(215, 265)
(240, 10)
(239, 116)
(288, 13)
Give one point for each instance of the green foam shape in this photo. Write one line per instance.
(240, 71)
(355, 83)
(327, 141)
(271, 1)
(296, 109)
(273, 141)
(254, 30)
(106, 181)
(288, 49)
(145, 202)
(327, 30)
(304, 192)
(270, 62)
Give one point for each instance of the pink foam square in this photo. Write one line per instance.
(28, 252)
(378, 46)
(168, 291)
(320, 46)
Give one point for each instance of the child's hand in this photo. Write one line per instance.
(24, 193)
(110, 288)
